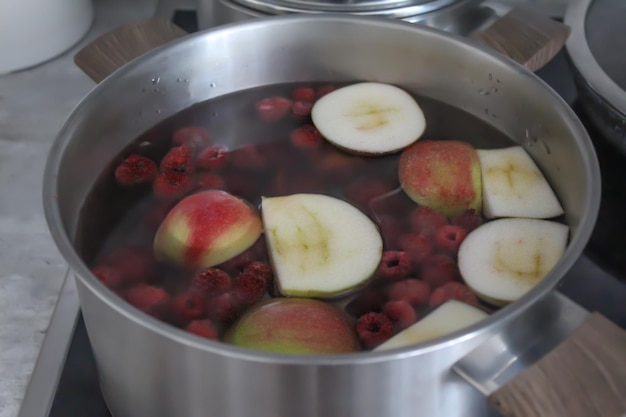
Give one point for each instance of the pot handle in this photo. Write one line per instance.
(107, 53)
(529, 38)
(564, 363)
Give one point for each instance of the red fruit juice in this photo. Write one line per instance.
(261, 159)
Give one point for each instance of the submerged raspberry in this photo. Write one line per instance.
(417, 246)
(149, 299)
(453, 291)
(468, 220)
(203, 328)
(188, 306)
(374, 329)
(133, 263)
(210, 282)
(273, 109)
(192, 136)
(262, 270)
(249, 288)
(301, 109)
(303, 94)
(439, 269)
(110, 277)
(178, 160)
(207, 180)
(394, 265)
(424, 219)
(135, 170)
(224, 308)
(212, 158)
(413, 291)
(305, 136)
(449, 237)
(248, 157)
(322, 91)
(401, 313)
(172, 185)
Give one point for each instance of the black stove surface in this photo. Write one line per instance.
(597, 281)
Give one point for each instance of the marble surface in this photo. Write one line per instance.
(33, 105)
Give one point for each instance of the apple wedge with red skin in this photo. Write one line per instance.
(206, 229)
(443, 175)
(294, 326)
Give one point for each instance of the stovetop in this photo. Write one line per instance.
(597, 281)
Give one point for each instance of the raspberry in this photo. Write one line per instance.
(188, 306)
(224, 308)
(303, 94)
(362, 192)
(110, 277)
(322, 91)
(394, 265)
(248, 157)
(212, 158)
(273, 109)
(134, 264)
(149, 299)
(425, 219)
(203, 328)
(468, 220)
(172, 185)
(453, 291)
(411, 290)
(249, 288)
(373, 329)
(305, 136)
(449, 237)
(178, 160)
(192, 136)
(135, 170)
(417, 246)
(301, 109)
(401, 314)
(210, 282)
(262, 270)
(207, 180)
(439, 269)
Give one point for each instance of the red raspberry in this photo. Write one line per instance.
(110, 277)
(273, 109)
(439, 269)
(303, 94)
(401, 313)
(262, 270)
(178, 160)
(192, 136)
(249, 288)
(210, 282)
(301, 109)
(172, 185)
(149, 299)
(224, 308)
(373, 329)
(203, 328)
(418, 247)
(134, 264)
(468, 220)
(453, 291)
(207, 180)
(411, 290)
(394, 265)
(322, 91)
(248, 157)
(134, 170)
(449, 237)
(425, 219)
(188, 306)
(212, 158)
(305, 136)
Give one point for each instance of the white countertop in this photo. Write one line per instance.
(33, 105)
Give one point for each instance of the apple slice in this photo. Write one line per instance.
(319, 246)
(513, 186)
(369, 118)
(447, 318)
(503, 259)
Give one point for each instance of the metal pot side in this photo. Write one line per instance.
(148, 368)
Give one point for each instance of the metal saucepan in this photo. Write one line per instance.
(148, 368)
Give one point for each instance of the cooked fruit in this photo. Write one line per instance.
(513, 186)
(294, 326)
(319, 246)
(503, 259)
(442, 175)
(446, 319)
(369, 118)
(206, 229)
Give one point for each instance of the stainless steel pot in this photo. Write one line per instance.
(147, 368)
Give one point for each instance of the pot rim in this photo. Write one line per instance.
(83, 273)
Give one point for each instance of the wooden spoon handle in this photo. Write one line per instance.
(115, 48)
(585, 376)
(528, 38)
